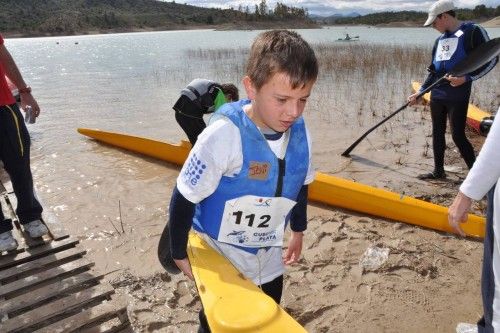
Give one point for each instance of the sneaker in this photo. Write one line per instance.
(35, 229)
(432, 175)
(7, 241)
(466, 328)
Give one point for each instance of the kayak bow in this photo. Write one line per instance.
(231, 302)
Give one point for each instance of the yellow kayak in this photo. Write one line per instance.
(477, 119)
(325, 188)
(231, 302)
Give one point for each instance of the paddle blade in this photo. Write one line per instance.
(477, 58)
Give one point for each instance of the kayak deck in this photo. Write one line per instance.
(231, 302)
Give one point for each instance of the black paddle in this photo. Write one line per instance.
(477, 58)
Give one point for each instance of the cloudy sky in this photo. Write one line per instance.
(330, 7)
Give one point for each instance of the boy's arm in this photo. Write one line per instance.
(431, 75)
(298, 223)
(181, 213)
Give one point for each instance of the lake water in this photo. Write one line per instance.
(129, 83)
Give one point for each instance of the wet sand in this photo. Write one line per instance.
(429, 283)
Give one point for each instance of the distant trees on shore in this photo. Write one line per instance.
(480, 12)
(66, 17)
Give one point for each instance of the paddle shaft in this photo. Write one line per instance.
(351, 147)
(477, 58)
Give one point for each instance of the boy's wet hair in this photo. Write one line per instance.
(231, 91)
(281, 51)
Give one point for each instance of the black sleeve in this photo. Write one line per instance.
(181, 213)
(298, 218)
(431, 76)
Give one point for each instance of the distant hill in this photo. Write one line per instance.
(68, 17)
(333, 18)
(407, 18)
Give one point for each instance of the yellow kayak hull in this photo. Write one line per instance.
(231, 302)
(474, 114)
(324, 189)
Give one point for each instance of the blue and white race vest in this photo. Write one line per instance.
(449, 51)
(245, 210)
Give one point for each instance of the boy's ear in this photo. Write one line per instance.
(249, 87)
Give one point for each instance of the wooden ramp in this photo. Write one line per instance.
(48, 285)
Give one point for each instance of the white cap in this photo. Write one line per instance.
(439, 7)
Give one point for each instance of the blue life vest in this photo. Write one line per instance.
(446, 92)
(255, 149)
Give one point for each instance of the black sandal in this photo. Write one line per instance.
(432, 175)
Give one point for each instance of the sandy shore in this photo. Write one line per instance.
(429, 283)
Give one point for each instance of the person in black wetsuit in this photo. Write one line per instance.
(451, 100)
(198, 98)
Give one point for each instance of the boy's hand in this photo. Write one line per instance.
(292, 253)
(185, 267)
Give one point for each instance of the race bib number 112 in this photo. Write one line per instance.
(253, 221)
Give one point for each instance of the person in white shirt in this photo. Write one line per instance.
(483, 179)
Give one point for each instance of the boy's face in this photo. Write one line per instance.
(276, 105)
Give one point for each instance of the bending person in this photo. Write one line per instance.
(198, 98)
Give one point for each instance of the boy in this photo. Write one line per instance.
(198, 98)
(253, 165)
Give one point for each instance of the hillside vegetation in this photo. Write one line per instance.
(479, 13)
(67, 17)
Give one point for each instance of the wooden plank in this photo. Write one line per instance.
(48, 293)
(39, 264)
(9, 214)
(10, 260)
(56, 229)
(7, 184)
(7, 211)
(97, 314)
(51, 312)
(29, 283)
(109, 327)
(127, 329)
(2, 175)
